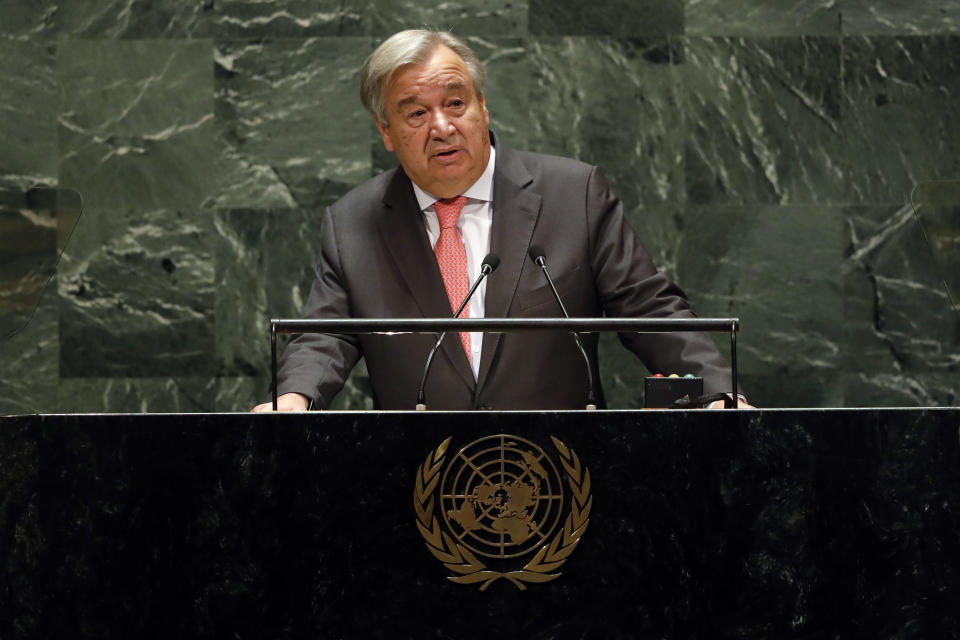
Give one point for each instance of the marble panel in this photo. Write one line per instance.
(762, 18)
(291, 261)
(615, 17)
(776, 269)
(794, 386)
(764, 119)
(29, 361)
(291, 127)
(136, 395)
(256, 19)
(24, 19)
(28, 258)
(237, 394)
(243, 244)
(135, 19)
(266, 260)
(940, 221)
(900, 118)
(162, 395)
(137, 295)
(902, 337)
(910, 389)
(136, 122)
(661, 227)
(28, 158)
(462, 17)
(900, 17)
(612, 103)
(268, 257)
(34, 226)
(28, 127)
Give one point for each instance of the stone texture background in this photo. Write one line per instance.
(765, 151)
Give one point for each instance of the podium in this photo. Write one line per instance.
(702, 524)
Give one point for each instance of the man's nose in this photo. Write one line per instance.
(440, 125)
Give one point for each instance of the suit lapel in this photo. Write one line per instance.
(405, 236)
(515, 214)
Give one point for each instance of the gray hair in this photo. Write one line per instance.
(413, 46)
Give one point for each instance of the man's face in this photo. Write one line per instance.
(437, 124)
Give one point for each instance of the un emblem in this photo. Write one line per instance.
(503, 499)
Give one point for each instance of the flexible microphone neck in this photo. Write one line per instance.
(540, 259)
(489, 265)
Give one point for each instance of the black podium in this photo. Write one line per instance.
(688, 524)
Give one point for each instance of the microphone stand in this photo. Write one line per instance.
(490, 263)
(536, 254)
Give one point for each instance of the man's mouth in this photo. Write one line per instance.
(446, 154)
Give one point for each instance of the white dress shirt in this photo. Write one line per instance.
(474, 227)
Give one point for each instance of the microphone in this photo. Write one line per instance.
(539, 258)
(488, 266)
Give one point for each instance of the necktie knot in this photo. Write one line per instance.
(448, 211)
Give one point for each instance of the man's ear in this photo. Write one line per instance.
(384, 129)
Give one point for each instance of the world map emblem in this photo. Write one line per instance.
(501, 508)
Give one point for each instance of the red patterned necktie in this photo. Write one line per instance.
(452, 258)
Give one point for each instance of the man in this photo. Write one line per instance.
(408, 242)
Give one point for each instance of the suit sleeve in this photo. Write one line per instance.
(317, 365)
(629, 285)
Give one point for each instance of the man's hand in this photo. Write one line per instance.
(286, 402)
(741, 404)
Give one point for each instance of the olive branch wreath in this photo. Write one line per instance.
(461, 560)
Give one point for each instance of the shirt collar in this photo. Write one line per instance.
(482, 189)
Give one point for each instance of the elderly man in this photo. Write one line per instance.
(408, 242)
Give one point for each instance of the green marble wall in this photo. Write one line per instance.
(765, 151)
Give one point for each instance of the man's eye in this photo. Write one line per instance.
(456, 103)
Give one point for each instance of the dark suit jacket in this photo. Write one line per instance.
(377, 262)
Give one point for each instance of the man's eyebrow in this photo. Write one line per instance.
(453, 85)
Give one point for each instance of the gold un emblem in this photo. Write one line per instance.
(502, 499)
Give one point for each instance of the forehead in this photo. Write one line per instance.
(444, 70)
